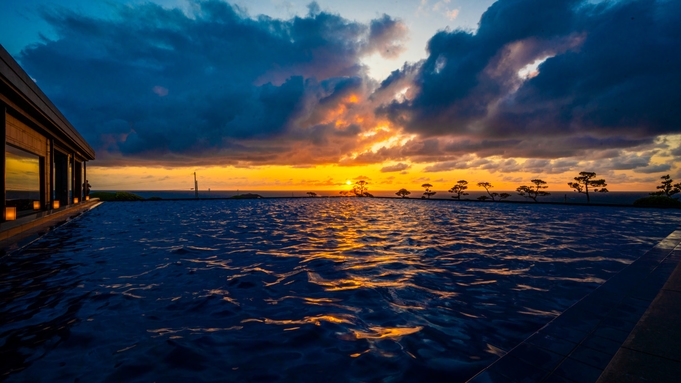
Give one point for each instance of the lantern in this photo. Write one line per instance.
(10, 213)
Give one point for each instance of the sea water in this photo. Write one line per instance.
(306, 290)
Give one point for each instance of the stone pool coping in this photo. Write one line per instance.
(626, 330)
(18, 233)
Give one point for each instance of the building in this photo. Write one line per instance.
(44, 165)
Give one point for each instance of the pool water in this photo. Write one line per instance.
(302, 290)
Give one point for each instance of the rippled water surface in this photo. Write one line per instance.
(334, 290)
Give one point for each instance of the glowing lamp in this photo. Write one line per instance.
(36, 205)
(10, 213)
(55, 204)
(75, 200)
(87, 197)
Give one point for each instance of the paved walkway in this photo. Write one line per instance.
(652, 352)
(627, 330)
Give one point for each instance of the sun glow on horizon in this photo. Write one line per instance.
(330, 178)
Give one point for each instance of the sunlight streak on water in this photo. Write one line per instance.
(293, 290)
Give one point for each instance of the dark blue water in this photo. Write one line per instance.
(342, 290)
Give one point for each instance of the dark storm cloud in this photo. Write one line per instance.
(158, 85)
(611, 79)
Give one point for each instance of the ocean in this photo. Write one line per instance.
(618, 198)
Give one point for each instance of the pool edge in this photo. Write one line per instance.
(18, 234)
(591, 340)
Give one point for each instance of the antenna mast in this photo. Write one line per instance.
(196, 187)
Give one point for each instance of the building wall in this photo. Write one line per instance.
(22, 136)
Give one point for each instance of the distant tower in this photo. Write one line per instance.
(196, 187)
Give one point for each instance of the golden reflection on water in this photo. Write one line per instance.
(325, 284)
(315, 320)
(386, 332)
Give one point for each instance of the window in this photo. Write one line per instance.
(22, 177)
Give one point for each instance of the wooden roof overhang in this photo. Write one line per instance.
(22, 95)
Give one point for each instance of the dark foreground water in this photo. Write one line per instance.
(341, 290)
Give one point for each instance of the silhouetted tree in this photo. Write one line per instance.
(667, 189)
(403, 193)
(459, 189)
(345, 193)
(585, 180)
(504, 196)
(488, 186)
(483, 198)
(361, 190)
(312, 194)
(529, 192)
(428, 192)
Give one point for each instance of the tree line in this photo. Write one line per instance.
(585, 183)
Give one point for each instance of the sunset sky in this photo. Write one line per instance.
(288, 95)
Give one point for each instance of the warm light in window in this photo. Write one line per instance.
(87, 197)
(75, 200)
(10, 213)
(55, 204)
(36, 205)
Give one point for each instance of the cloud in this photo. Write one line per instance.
(637, 160)
(395, 168)
(606, 77)
(386, 37)
(676, 152)
(452, 14)
(656, 168)
(161, 86)
(160, 91)
(542, 86)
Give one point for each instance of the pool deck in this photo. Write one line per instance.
(627, 330)
(18, 233)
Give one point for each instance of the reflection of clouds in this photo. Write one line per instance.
(22, 172)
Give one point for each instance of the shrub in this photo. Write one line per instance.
(126, 196)
(658, 201)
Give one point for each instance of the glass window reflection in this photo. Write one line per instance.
(22, 177)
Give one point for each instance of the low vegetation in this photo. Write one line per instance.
(428, 193)
(247, 196)
(487, 186)
(585, 180)
(116, 196)
(667, 187)
(658, 201)
(403, 193)
(533, 192)
(361, 189)
(662, 197)
(459, 189)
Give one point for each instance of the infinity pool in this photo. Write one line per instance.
(304, 290)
